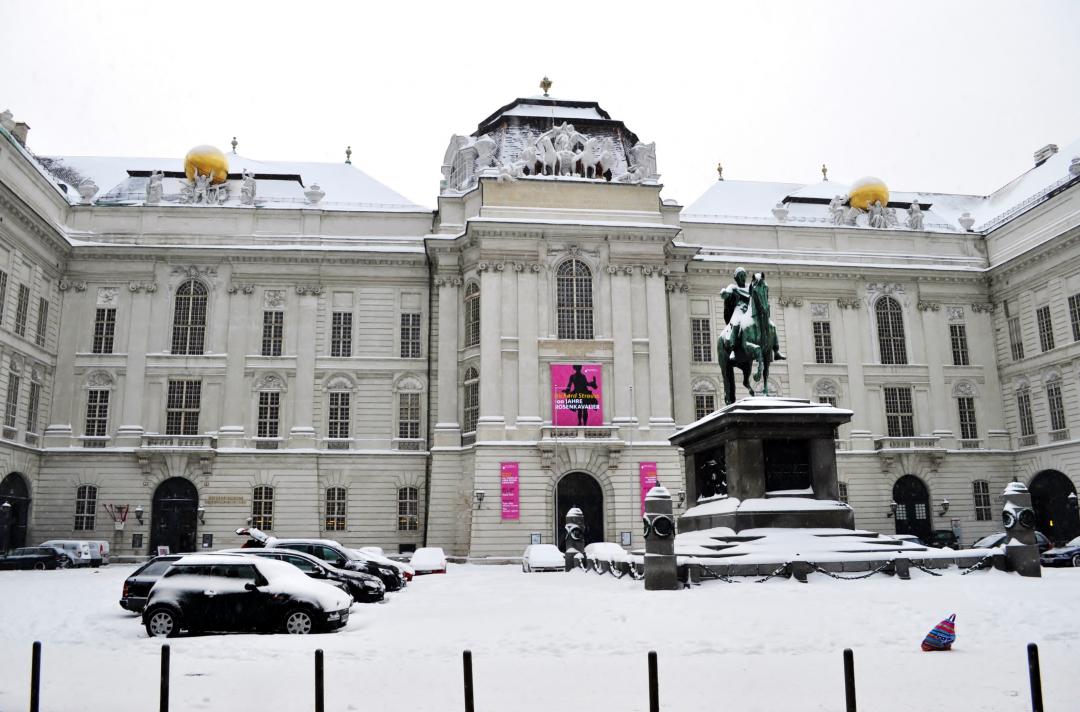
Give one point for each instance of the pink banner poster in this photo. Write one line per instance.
(576, 398)
(508, 476)
(648, 480)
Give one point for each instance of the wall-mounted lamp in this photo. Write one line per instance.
(892, 509)
(201, 511)
(478, 498)
(1071, 499)
(944, 506)
(6, 506)
(139, 513)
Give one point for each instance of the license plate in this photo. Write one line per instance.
(333, 616)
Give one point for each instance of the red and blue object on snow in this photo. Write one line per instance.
(942, 636)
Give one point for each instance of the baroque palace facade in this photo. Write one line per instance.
(189, 346)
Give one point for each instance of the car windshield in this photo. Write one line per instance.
(155, 568)
(1074, 542)
(988, 541)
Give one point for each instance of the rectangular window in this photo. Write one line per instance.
(269, 414)
(898, 412)
(968, 429)
(1016, 340)
(958, 336)
(97, 413)
(33, 407)
(1074, 315)
(1023, 408)
(409, 415)
(42, 322)
(1046, 328)
(704, 403)
(341, 334)
(338, 416)
(85, 508)
(11, 407)
(842, 488)
(408, 509)
(701, 340)
(104, 330)
(1055, 405)
(3, 294)
(336, 505)
(20, 310)
(273, 332)
(182, 408)
(823, 342)
(262, 508)
(980, 490)
(410, 335)
(831, 400)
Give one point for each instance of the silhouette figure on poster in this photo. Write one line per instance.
(580, 398)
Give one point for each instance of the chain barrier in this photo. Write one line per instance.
(868, 574)
(779, 569)
(978, 565)
(634, 573)
(924, 569)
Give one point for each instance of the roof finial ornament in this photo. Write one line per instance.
(234, 144)
(545, 84)
(720, 171)
(348, 155)
(824, 172)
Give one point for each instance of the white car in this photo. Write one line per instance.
(428, 560)
(542, 557)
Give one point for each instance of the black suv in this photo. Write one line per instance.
(137, 586)
(364, 588)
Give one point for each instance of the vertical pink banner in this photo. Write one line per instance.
(576, 395)
(511, 491)
(647, 471)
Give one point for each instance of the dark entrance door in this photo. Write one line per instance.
(14, 519)
(1054, 517)
(174, 517)
(580, 490)
(912, 507)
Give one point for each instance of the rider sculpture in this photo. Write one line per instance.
(749, 339)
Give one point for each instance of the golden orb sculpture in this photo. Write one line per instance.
(207, 160)
(865, 191)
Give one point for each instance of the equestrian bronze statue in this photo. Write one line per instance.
(749, 339)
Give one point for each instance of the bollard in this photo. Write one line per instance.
(1036, 678)
(35, 677)
(654, 685)
(849, 679)
(163, 706)
(319, 699)
(467, 663)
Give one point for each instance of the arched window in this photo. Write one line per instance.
(262, 507)
(408, 509)
(704, 398)
(472, 314)
(189, 319)
(85, 508)
(471, 401)
(336, 504)
(890, 325)
(573, 293)
(826, 392)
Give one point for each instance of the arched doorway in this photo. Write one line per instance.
(580, 490)
(912, 507)
(1054, 517)
(14, 519)
(174, 516)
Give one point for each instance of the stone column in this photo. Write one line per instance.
(935, 340)
(491, 416)
(528, 353)
(623, 337)
(679, 315)
(139, 330)
(237, 396)
(302, 433)
(448, 425)
(659, 367)
(661, 569)
(856, 338)
(62, 416)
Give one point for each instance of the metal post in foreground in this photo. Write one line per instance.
(35, 677)
(1036, 678)
(163, 706)
(319, 699)
(849, 679)
(466, 658)
(654, 684)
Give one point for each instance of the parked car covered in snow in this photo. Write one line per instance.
(428, 560)
(36, 557)
(542, 557)
(331, 552)
(1064, 555)
(374, 553)
(1002, 538)
(137, 586)
(364, 588)
(221, 592)
(77, 550)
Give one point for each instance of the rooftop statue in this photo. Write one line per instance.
(749, 339)
(915, 216)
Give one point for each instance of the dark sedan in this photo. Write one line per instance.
(364, 588)
(36, 557)
(1064, 555)
(137, 586)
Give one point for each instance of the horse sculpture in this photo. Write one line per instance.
(749, 339)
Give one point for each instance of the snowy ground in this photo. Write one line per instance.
(554, 641)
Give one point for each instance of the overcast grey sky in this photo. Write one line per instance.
(929, 96)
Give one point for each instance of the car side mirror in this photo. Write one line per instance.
(249, 586)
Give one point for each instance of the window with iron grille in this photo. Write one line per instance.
(472, 314)
(337, 424)
(42, 322)
(262, 507)
(958, 337)
(471, 401)
(21, 308)
(823, 342)
(1046, 328)
(336, 506)
(920, 510)
(97, 413)
(85, 507)
(980, 490)
(104, 331)
(898, 412)
(966, 407)
(1055, 405)
(1023, 408)
(409, 415)
(831, 400)
(273, 332)
(408, 509)
(410, 335)
(1074, 315)
(189, 319)
(704, 403)
(573, 293)
(33, 407)
(3, 295)
(341, 334)
(701, 340)
(11, 407)
(182, 408)
(842, 490)
(890, 321)
(269, 414)
(1016, 339)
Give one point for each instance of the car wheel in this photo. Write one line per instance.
(162, 623)
(39, 565)
(65, 562)
(299, 622)
(1076, 560)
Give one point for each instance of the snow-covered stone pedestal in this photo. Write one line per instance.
(1022, 551)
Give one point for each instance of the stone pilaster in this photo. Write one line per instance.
(528, 356)
(659, 367)
(623, 344)
(302, 433)
(448, 424)
(679, 317)
(491, 421)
